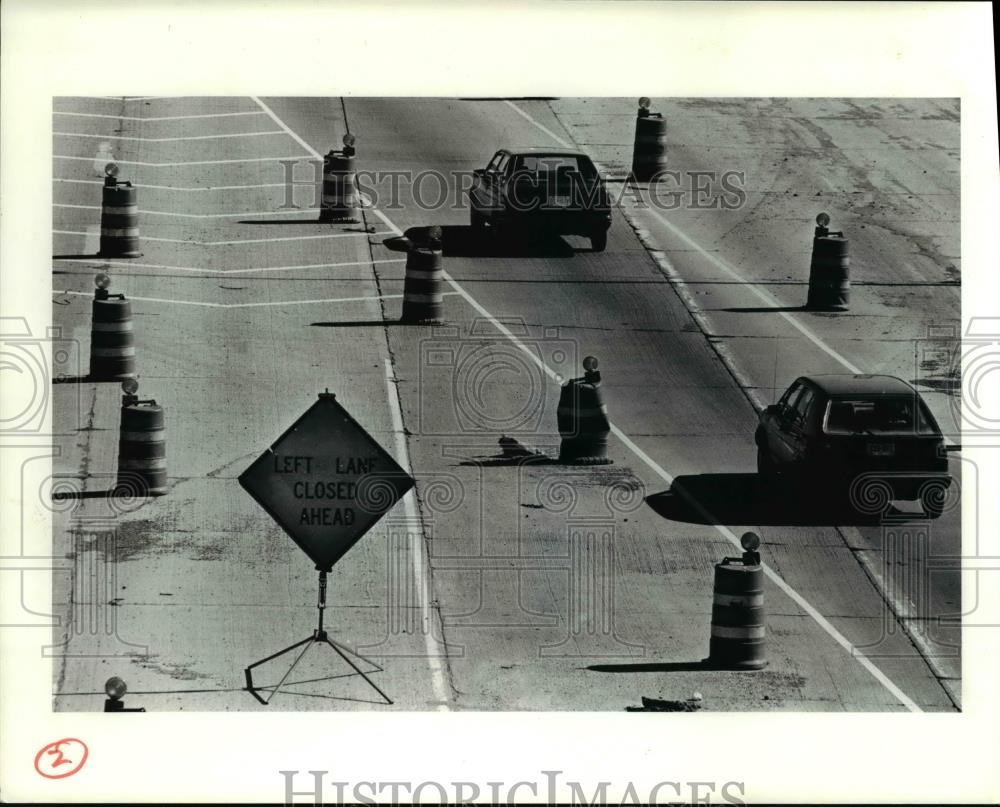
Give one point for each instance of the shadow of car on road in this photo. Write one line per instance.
(463, 241)
(747, 498)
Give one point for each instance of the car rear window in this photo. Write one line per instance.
(882, 414)
(558, 163)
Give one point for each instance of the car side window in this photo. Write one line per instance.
(790, 394)
(502, 165)
(802, 404)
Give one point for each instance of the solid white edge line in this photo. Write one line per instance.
(112, 158)
(238, 242)
(159, 118)
(284, 127)
(165, 139)
(421, 573)
(201, 215)
(820, 620)
(126, 262)
(270, 303)
(178, 188)
(422, 577)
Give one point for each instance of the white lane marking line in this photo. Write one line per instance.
(202, 215)
(103, 262)
(422, 576)
(545, 129)
(181, 164)
(717, 261)
(761, 294)
(881, 677)
(242, 241)
(385, 220)
(161, 117)
(728, 534)
(269, 303)
(420, 573)
(167, 139)
(178, 188)
(284, 127)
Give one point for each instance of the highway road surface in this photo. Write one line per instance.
(505, 580)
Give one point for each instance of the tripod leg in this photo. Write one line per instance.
(355, 653)
(357, 669)
(284, 678)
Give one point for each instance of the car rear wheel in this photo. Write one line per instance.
(598, 241)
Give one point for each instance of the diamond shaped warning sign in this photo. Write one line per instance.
(326, 481)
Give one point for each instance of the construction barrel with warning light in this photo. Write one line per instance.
(423, 286)
(142, 447)
(115, 688)
(112, 342)
(829, 269)
(339, 200)
(737, 640)
(583, 419)
(119, 217)
(649, 152)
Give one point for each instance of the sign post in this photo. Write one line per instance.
(326, 482)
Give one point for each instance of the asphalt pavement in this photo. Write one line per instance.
(505, 581)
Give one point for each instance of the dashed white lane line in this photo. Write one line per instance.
(538, 125)
(761, 294)
(267, 304)
(178, 187)
(126, 263)
(166, 139)
(420, 568)
(801, 601)
(713, 258)
(161, 117)
(182, 164)
(240, 241)
(804, 604)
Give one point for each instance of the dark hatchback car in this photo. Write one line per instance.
(534, 190)
(863, 439)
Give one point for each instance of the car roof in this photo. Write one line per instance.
(544, 152)
(843, 384)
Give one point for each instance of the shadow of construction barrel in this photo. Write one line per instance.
(142, 449)
(829, 271)
(119, 220)
(112, 340)
(423, 287)
(583, 420)
(737, 639)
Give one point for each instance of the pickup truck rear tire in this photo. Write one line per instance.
(598, 241)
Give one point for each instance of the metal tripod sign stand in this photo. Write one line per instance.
(319, 636)
(326, 482)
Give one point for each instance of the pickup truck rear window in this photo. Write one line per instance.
(882, 414)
